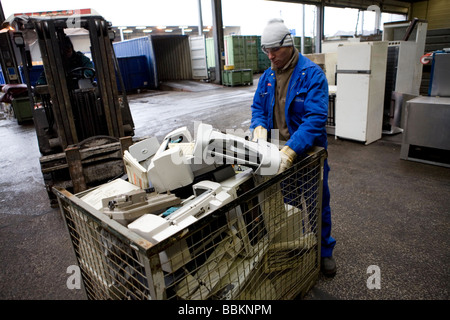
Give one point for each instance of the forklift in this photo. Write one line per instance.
(83, 123)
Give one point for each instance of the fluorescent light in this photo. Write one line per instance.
(127, 31)
(147, 30)
(140, 27)
(168, 30)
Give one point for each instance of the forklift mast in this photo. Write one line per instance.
(81, 113)
(74, 110)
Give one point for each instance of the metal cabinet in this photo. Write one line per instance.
(426, 136)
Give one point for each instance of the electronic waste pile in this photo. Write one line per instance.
(216, 225)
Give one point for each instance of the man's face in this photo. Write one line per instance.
(279, 56)
(68, 52)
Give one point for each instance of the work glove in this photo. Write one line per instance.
(259, 133)
(287, 156)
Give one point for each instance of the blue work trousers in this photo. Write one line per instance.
(328, 242)
(301, 191)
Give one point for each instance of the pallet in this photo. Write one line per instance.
(84, 165)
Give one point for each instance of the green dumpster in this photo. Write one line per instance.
(22, 109)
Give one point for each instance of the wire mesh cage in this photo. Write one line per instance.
(264, 245)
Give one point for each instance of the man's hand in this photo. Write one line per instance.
(259, 133)
(287, 158)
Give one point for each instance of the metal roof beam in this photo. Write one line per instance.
(390, 6)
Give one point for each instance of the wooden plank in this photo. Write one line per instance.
(75, 168)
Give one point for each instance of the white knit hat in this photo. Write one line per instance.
(274, 33)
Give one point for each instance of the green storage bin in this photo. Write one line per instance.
(231, 78)
(22, 109)
(247, 76)
(241, 77)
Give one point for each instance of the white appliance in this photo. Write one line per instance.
(404, 69)
(361, 74)
(176, 164)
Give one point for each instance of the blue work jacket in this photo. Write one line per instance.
(306, 108)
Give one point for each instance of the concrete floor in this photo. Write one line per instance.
(387, 212)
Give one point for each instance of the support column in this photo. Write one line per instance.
(218, 38)
(319, 28)
(200, 18)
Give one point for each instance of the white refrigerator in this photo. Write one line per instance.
(361, 76)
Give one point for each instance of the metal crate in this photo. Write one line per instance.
(237, 77)
(265, 244)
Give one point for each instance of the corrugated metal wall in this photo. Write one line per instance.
(173, 57)
(437, 12)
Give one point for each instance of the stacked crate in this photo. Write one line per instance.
(244, 52)
(241, 52)
(263, 59)
(308, 45)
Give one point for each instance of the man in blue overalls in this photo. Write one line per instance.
(292, 97)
